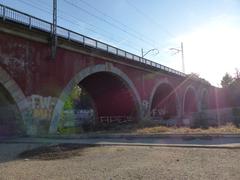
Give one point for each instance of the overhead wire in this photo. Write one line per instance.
(150, 19)
(108, 22)
(117, 21)
(74, 23)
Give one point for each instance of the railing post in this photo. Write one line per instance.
(30, 22)
(83, 41)
(51, 29)
(95, 43)
(4, 17)
(68, 35)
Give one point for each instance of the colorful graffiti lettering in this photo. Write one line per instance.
(42, 107)
(157, 112)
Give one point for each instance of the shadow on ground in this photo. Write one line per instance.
(52, 152)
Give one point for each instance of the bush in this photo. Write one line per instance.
(88, 126)
(70, 130)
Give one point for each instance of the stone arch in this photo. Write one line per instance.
(190, 89)
(81, 76)
(17, 95)
(154, 91)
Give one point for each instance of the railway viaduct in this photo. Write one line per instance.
(120, 83)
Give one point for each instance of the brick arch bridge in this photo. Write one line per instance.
(121, 83)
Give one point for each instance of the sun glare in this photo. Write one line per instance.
(212, 50)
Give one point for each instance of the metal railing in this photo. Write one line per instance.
(7, 13)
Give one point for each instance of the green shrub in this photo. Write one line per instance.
(70, 130)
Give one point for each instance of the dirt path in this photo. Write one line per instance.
(119, 162)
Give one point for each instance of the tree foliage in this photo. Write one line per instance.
(75, 94)
(231, 86)
(227, 80)
(197, 77)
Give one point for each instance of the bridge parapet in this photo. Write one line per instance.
(9, 14)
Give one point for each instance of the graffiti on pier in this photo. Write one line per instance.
(42, 107)
(159, 112)
(13, 56)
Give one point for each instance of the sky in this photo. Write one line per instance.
(209, 29)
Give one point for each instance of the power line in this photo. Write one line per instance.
(150, 19)
(72, 22)
(107, 32)
(107, 22)
(116, 20)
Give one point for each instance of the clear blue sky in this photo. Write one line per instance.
(209, 29)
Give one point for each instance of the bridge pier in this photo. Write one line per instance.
(18, 99)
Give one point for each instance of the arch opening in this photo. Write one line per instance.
(110, 94)
(101, 98)
(204, 101)
(164, 103)
(11, 123)
(190, 102)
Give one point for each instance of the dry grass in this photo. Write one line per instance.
(226, 129)
(155, 128)
(151, 127)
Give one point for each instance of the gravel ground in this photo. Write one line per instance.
(123, 162)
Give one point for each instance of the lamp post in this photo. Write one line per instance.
(177, 50)
(145, 53)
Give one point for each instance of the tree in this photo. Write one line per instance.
(227, 80)
(232, 88)
(75, 94)
(196, 76)
(237, 74)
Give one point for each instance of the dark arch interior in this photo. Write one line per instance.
(111, 95)
(10, 119)
(190, 103)
(204, 101)
(164, 104)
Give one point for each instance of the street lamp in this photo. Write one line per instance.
(182, 53)
(145, 53)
